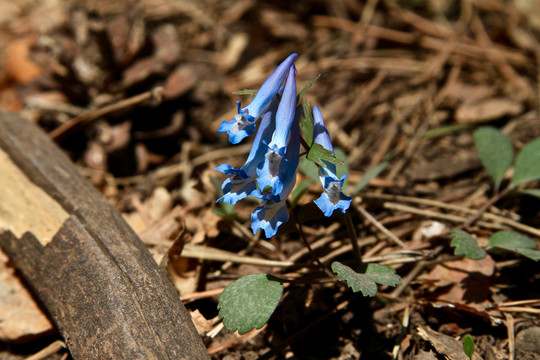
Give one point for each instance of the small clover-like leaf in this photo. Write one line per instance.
(246, 92)
(383, 275)
(248, 303)
(306, 123)
(466, 245)
(366, 281)
(319, 155)
(357, 282)
(370, 174)
(527, 167)
(495, 150)
(516, 242)
(468, 346)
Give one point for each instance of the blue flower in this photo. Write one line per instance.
(273, 212)
(243, 123)
(241, 182)
(274, 169)
(332, 198)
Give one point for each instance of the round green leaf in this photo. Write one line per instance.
(511, 240)
(468, 346)
(248, 303)
(465, 244)
(495, 150)
(527, 167)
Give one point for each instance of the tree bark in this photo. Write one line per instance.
(99, 283)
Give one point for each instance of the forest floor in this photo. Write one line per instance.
(402, 83)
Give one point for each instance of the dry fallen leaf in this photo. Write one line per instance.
(445, 345)
(20, 317)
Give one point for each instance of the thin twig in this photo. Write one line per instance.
(78, 122)
(378, 225)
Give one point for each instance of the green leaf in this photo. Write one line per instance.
(342, 169)
(382, 274)
(309, 168)
(318, 154)
(527, 167)
(306, 123)
(248, 303)
(369, 175)
(357, 282)
(366, 281)
(530, 192)
(305, 90)
(495, 150)
(468, 346)
(245, 92)
(516, 242)
(466, 244)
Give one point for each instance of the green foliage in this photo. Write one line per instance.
(367, 279)
(320, 156)
(369, 175)
(246, 92)
(495, 150)
(527, 167)
(248, 303)
(306, 123)
(309, 169)
(305, 90)
(468, 346)
(466, 245)
(515, 242)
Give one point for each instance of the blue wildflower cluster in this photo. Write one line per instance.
(269, 172)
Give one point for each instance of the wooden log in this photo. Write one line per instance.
(97, 280)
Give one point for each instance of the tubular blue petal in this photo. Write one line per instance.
(274, 170)
(273, 211)
(320, 133)
(236, 189)
(269, 217)
(242, 180)
(332, 198)
(243, 123)
(328, 207)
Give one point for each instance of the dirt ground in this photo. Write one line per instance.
(406, 82)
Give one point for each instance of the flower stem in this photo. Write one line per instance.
(354, 239)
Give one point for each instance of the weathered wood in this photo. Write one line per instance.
(99, 283)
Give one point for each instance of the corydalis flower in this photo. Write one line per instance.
(332, 198)
(241, 182)
(274, 169)
(243, 123)
(273, 212)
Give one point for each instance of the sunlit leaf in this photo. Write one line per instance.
(248, 303)
(516, 242)
(306, 123)
(468, 346)
(318, 154)
(495, 150)
(466, 245)
(527, 167)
